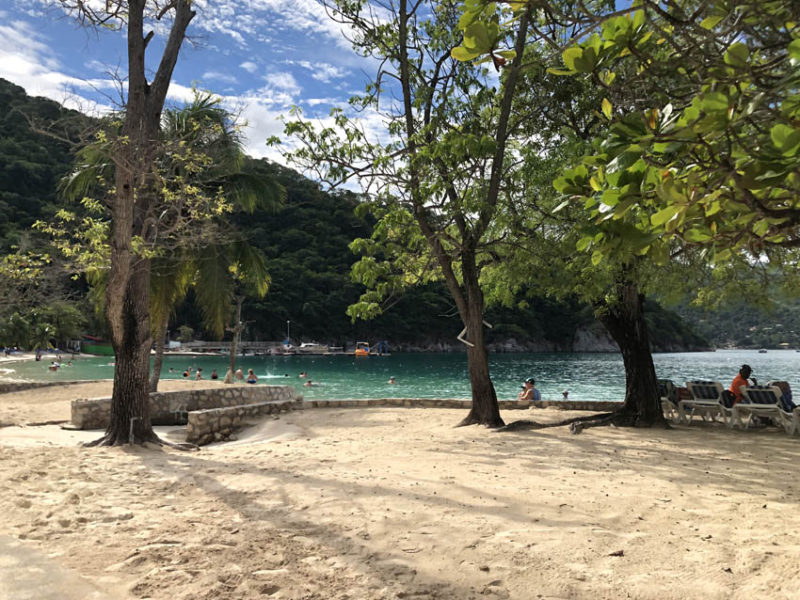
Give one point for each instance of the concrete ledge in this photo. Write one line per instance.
(8, 387)
(460, 403)
(171, 408)
(217, 424)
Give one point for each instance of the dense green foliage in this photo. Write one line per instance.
(307, 254)
(31, 163)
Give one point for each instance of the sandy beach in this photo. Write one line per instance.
(397, 503)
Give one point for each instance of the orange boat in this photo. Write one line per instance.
(362, 349)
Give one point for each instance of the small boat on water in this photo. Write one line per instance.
(362, 349)
(312, 348)
(762, 351)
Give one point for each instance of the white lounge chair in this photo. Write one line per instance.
(706, 401)
(788, 413)
(790, 419)
(668, 394)
(760, 401)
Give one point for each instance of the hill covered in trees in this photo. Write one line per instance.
(306, 247)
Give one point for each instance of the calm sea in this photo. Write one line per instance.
(586, 376)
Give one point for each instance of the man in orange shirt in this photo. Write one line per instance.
(740, 381)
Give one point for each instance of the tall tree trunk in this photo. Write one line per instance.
(237, 331)
(127, 291)
(485, 409)
(130, 406)
(158, 360)
(624, 320)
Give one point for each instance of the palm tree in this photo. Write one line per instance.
(201, 168)
(223, 266)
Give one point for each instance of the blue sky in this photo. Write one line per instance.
(261, 56)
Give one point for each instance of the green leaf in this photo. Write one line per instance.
(794, 50)
(463, 55)
(710, 22)
(761, 227)
(560, 72)
(737, 55)
(664, 215)
(570, 55)
(583, 243)
(697, 236)
(607, 108)
(597, 257)
(785, 138)
(476, 36)
(714, 102)
(561, 206)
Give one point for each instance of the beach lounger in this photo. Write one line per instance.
(788, 412)
(790, 419)
(706, 401)
(668, 394)
(759, 401)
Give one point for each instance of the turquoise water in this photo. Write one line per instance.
(586, 376)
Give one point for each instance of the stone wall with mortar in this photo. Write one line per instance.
(170, 408)
(217, 424)
(8, 387)
(463, 404)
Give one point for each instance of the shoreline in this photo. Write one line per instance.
(395, 502)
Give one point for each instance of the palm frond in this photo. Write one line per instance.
(214, 288)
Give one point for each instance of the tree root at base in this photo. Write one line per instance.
(472, 420)
(618, 418)
(114, 440)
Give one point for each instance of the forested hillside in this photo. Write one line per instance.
(306, 246)
(30, 163)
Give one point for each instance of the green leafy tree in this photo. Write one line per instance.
(711, 147)
(216, 260)
(132, 201)
(437, 183)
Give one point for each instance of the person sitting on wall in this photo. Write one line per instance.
(251, 377)
(238, 375)
(214, 374)
(529, 391)
(199, 374)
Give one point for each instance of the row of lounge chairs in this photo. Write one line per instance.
(706, 400)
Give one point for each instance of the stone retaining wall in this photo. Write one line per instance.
(463, 404)
(578, 405)
(8, 387)
(213, 414)
(171, 408)
(217, 424)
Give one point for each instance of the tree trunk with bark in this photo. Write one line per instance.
(237, 332)
(485, 409)
(131, 338)
(624, 320)
(158, 359)
(127, 292)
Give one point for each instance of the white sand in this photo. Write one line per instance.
(396, 503)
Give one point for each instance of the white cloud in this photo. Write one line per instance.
(27, 60)
(281, 85)
(253, 17)
(321, 71)
(318, 101)
(250, 67)
(223, 77)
